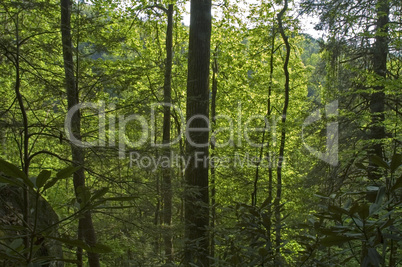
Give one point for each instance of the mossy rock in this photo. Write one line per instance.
(12, 229)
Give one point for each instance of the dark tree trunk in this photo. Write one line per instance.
(85, 226)
(197, 195)
(167, 178)
(213, 114)
(377, 99)
(278, 205)
(24, 153)
(269, 155)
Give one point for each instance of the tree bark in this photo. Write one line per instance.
(85, 226)
(278, 205)
(197, 195)
(213, 115)
(377, 99)
(270, 158)
(167, 178)
(24, 151)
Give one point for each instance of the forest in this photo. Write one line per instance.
(130, 136)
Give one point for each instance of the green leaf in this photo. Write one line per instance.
(335, 240)
(379, 161)
(99, 248)
(374, 208)
(262, 252)
(321, 195)
(11, 181)
(265, 203)
(380, 195)
(374, 257)
(372, 188)
(387, 223)
(360, 166)
(16, 243)
(70, 242)
(396, 162)
(50, 183)
(354, 208)
(67, 172)
(364, 211)
(99, 193)
(337, 210)
(62, 174)
(397, 184)
(11, 170)
(121, 198)
(42, 178)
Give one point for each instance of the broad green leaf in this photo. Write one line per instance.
(62, 174)
(387, 223)
(360, 166)
(16, 243)
(262, 252)
(337, 210)
(335, 240)
(379, 162)
(99, 193)
(380, 195)
(397, 184)
(374, 208)
(42, 178)
(99, 248)
(372, 188)
(50, 183)
(321, 195)
(67, 172)
(9, 181)
(354, 208)
(70, 242)
(11, 170)
(363, 211)
(374, 257)
(265, 203)
(396, 162)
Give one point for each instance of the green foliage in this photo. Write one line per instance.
(364, 229)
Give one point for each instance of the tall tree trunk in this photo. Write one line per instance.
(85, 226)
(167, 178)
(278, 205)
(24, 153)
(269, 157)
(197, 195)
(377, 99)
(213, 115)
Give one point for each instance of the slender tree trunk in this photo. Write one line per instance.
(278, 205)
(269, 157)
(24, 155)
(197, 142)
(167, 178)
(377, 99)
(213, 115)
(85, 226)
